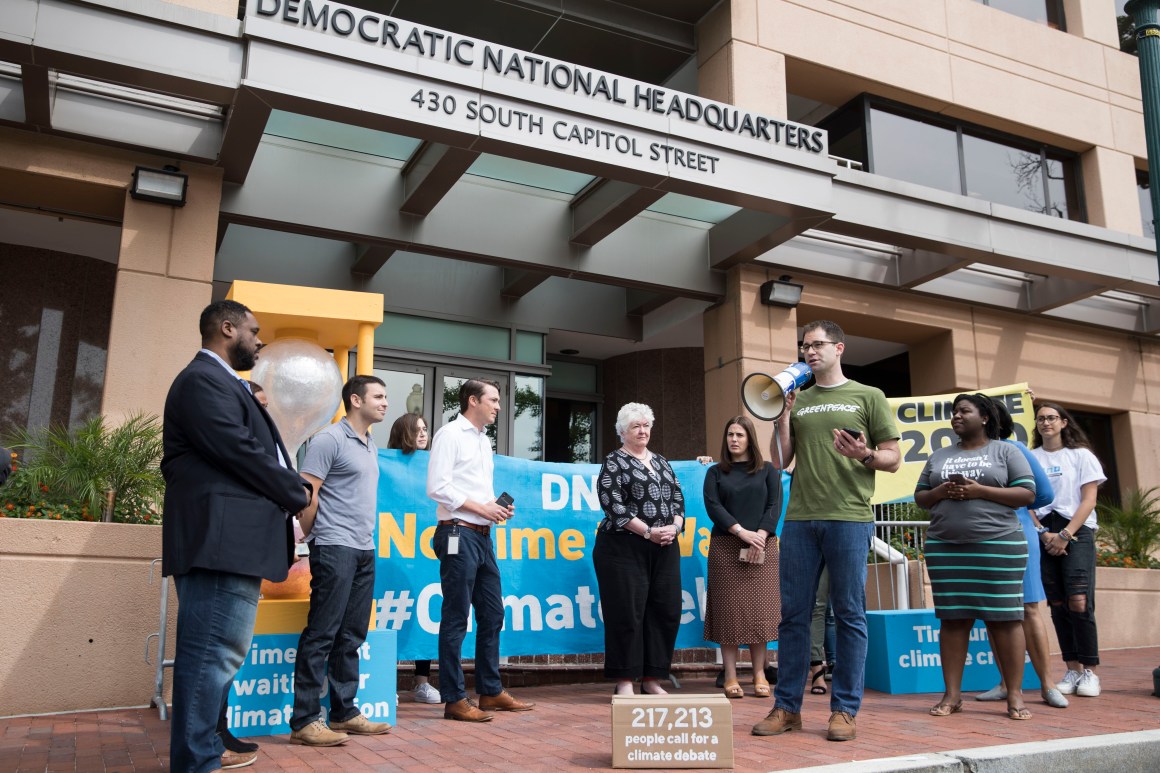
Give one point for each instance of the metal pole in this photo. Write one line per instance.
(1146, 16)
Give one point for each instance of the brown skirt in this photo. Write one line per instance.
(743, 600)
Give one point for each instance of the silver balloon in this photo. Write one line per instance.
(303, 385)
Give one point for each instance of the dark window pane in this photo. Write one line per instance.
(1144, 192)
(847, 131)
(913, 150)
(1003, 174)
(1049, 12)
(1062, 189)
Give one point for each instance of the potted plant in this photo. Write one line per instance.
(90, 472)
(1130, 532)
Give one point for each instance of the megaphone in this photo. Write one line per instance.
(764, 395)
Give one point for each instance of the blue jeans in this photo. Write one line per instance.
(470, 578)
(215, 623)
(843, 547)
(342, 583)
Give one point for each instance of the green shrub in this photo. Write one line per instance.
(66, 474)
(1132, 528)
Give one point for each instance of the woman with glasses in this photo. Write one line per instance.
(975, 549)
(1067, 528)
(409, 434)
(743, 605)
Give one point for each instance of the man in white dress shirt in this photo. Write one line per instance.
(459, 480)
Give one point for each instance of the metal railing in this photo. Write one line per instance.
(900, 544)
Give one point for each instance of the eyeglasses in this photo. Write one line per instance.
(814, 345)
(1047, 419)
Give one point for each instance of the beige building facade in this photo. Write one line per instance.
(556, 197)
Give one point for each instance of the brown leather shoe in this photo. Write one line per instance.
(231, 760)
(465, 711)
(505, 701)
(842, 727)
(360, 725)
(777, 722)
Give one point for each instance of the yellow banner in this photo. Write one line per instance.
(924, 426)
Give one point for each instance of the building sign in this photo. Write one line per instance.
(414, 49)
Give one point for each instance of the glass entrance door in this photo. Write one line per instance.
(450, 379)
(408, 391)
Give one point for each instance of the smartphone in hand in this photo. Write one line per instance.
(854, 433)
(956, 478)
(748, 558)
(504, 500)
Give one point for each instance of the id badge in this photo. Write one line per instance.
(453, 541)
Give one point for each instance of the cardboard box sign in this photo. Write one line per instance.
(672, 731)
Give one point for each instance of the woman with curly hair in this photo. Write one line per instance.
(975, 549)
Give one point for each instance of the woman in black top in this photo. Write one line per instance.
(743, 601)
(637, 558)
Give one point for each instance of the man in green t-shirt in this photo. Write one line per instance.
(839, 432)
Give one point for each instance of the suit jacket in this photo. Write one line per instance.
(227, 498)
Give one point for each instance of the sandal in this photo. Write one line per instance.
(733, 690)
(760, 686)
(942, 709)
(818, 678)
(1019, 713)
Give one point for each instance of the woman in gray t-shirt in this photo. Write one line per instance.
(975, 548)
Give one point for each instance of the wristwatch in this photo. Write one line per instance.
(869, 458)
(1040, 529)
(648, 533)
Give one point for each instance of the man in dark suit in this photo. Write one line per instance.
(229, 495)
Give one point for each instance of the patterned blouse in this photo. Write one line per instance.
(629, 488)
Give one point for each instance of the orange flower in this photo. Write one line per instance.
(10, 506)
(43, 488)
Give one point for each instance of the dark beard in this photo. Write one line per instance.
(240, 359)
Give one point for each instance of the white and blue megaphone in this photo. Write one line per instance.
(764, 395)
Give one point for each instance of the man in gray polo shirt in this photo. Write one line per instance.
(342, 464)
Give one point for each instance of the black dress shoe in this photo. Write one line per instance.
(720, 678)
(771, 674)
(236, 745)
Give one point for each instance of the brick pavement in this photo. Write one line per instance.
(569, 730)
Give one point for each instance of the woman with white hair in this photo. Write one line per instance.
(637, 558)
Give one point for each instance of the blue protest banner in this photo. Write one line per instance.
(551, 598)
(261, 698)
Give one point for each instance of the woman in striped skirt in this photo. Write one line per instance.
(975, 548)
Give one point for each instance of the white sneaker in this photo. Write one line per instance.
(1088, 685)
(425, 693)
(1070, 680)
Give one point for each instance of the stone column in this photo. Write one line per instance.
(1109, 186)
(164, 280)
(743, 336)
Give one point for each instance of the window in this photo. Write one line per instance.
(1144, 193)
(908, 144)
(914, 150)
(55, 309)
(1049, 12)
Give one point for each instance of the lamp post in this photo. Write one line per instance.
(1146, 16)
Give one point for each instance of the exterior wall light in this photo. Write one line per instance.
(163, 186)
(781, 292)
